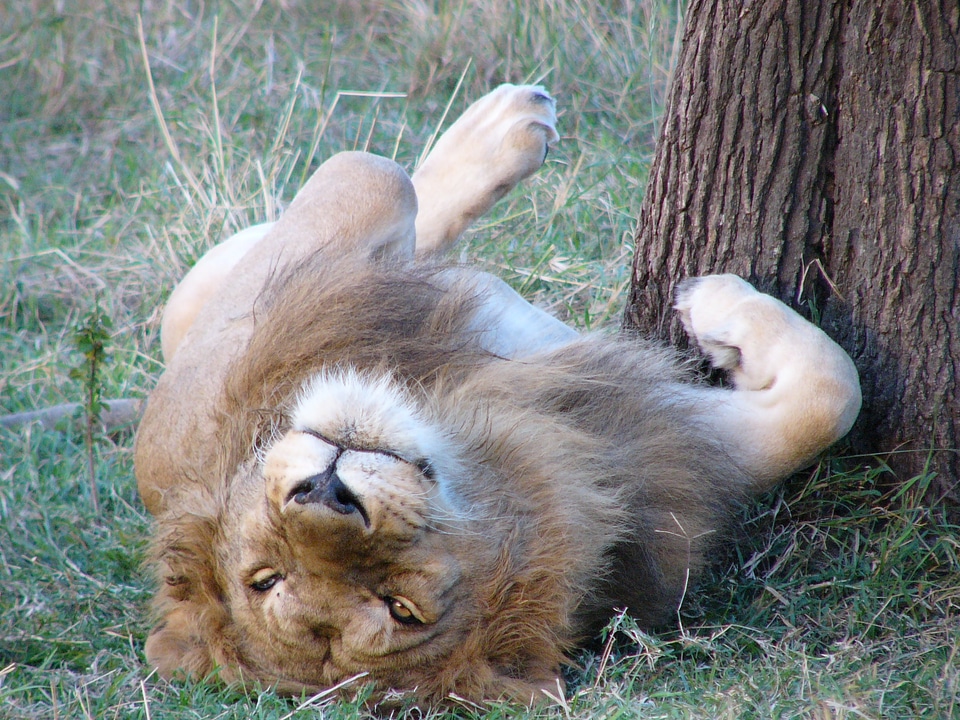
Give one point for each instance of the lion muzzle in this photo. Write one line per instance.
(329, 490)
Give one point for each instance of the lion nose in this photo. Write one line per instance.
(327, 488)
(340, 498)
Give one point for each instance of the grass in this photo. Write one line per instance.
(841, 601)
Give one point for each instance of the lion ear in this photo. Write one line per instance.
(178, 646)
(191, 637)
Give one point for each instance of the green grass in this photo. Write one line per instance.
(841, 601)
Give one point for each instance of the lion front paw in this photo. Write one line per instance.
(749, 333)
(795, 390)
(500, 140)
(729, 319)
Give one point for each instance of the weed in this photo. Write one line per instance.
(91, 335)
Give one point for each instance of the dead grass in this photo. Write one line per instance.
(837, 604)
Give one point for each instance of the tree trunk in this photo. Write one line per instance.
(814, 149)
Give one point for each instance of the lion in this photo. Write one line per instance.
(366, 462)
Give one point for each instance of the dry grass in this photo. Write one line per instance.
(838, 604)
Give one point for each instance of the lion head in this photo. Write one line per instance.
(352, 546)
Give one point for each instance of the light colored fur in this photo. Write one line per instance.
(797, 391)
(362, 461)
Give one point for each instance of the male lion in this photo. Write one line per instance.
(362, 461)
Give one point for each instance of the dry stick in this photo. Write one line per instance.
(146, 704)
(436, 132)
(686, 580)
(120, 413)
(608, 645)
(325, 695)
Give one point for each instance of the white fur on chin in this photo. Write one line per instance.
(366, 411)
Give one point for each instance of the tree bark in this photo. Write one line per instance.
(814, 149)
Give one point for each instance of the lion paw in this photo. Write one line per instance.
(795, 390)
(728, 320)
(740, 329)
(500, 140)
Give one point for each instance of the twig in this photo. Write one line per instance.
(436, 132)
(118, 414)
(686, 578)
(158, 112)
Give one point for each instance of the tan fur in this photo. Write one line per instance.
(360, 462)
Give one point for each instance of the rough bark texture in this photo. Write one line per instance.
(814, 148)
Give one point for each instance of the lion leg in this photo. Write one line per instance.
(795, 391)
(201, 282)
(501, 139)
(506, 324)
(354, 203)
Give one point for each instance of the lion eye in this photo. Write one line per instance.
(403, 611)
(426, 469)
(264, 583)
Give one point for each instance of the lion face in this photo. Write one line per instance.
(343, 557)
(340, 551)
